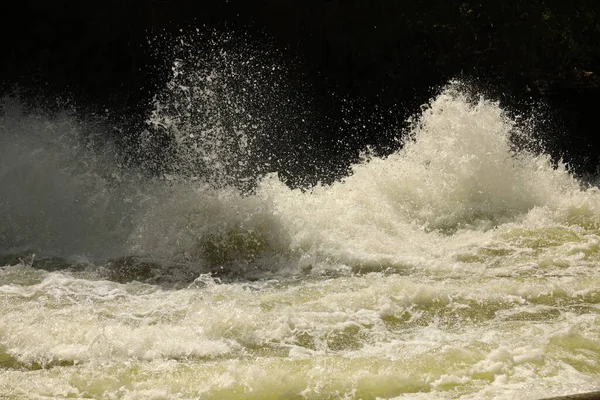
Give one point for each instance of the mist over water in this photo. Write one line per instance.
(462, 265)
(63, 192)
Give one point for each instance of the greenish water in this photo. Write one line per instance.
(454, 268)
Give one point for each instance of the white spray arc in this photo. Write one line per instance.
(457, 179)
(456, 267)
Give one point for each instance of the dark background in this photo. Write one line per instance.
(385, 55)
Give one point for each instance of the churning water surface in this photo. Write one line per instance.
(460, 266)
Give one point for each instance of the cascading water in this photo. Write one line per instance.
(457, 267)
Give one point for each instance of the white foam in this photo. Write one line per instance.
(486, 284)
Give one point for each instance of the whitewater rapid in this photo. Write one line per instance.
(460, 266)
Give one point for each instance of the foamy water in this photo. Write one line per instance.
(457, 267)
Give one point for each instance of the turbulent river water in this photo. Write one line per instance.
(460, 266)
